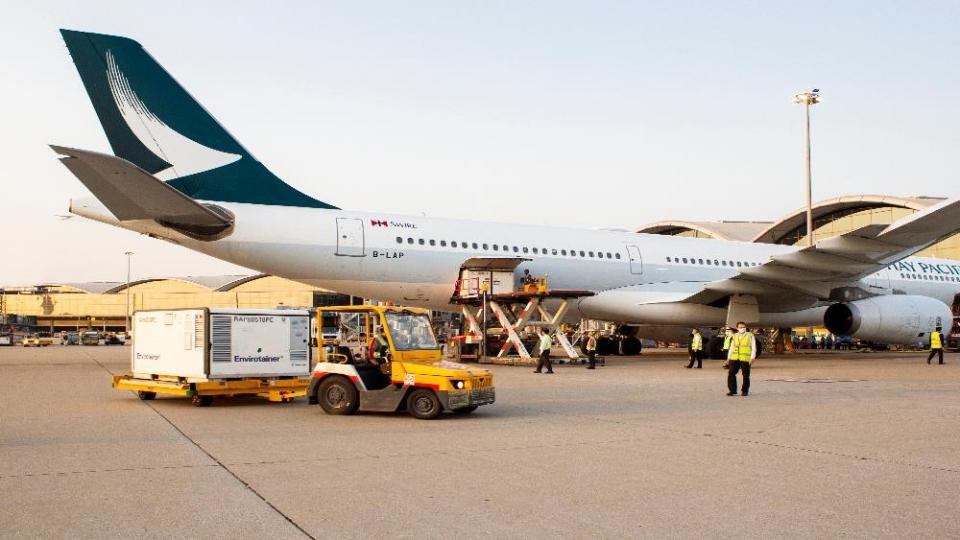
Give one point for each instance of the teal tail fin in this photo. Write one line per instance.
(152, 122)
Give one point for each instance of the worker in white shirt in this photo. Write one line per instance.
(743, 350)
(546, 343)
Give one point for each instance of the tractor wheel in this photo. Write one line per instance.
(338, 395)
(423, 404)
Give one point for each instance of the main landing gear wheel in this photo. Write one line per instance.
(423, 404)
(146, 396)
(338, 396)
(202, 401)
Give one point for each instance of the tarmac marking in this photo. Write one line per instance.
(97, 471)
(216, 462)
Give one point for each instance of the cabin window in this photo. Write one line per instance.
(515, 249)
(433, 242)
(496, 247)
(535, 250)
(443, 243)
(399, 239)
(525, 249)
(618, 255)
(486, 247)
(553, 251)
(563, 252)
(420, 241)
(709, 263)
(409, 240)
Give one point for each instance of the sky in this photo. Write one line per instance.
(588, 114)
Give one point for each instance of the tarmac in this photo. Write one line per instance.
(826, 445)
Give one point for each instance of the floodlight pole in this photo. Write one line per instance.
(807, 99)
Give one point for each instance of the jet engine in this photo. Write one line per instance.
(895, 319)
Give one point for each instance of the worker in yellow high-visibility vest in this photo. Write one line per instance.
(696, 349)
(936, 345)
(743, 349)
(727, 340)
(592, 350)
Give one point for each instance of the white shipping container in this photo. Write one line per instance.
(221, 343)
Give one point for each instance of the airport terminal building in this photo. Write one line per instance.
(831, 217)
(103, 305)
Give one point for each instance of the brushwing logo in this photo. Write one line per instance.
(186, 156)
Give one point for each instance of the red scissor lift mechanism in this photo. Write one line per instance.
(514, 310)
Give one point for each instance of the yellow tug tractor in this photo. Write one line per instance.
(387, 359)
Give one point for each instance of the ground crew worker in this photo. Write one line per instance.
(378, 349)
(727, 338)
(527, 280)
(696, 350)
(743, 349)
(936, 345)
(592, 351)
(546, 343)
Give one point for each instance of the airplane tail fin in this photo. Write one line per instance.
(152, 122)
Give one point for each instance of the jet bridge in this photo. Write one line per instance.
(488, 286)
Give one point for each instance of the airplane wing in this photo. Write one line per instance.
(815, 272)
(131, 193)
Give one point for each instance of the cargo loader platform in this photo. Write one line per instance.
(203, 392)
(488, 285)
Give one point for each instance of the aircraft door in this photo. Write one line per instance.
(636, 261)
(350, 237)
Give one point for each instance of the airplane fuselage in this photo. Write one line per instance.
(415, 260)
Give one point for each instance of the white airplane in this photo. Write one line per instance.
(179, 176)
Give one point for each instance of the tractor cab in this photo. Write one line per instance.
(386, 359)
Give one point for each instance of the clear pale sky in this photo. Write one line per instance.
(608, 114)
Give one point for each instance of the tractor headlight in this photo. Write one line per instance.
(457, 384)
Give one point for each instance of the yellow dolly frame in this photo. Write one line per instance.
(203, 392)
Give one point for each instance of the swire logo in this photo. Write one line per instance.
(398, 224)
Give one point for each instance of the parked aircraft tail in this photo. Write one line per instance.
(153, 123)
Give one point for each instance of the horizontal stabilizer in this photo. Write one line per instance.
(130, 193)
